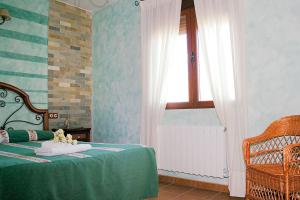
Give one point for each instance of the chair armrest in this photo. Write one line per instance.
(259, 150)
(246, 151)
(246, 146)
(291, 162)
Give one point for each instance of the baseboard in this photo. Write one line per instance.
(193, 183)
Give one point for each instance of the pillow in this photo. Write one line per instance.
(13, 136)
(3, 137)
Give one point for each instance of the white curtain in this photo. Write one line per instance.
(221, 56)
(159, 29)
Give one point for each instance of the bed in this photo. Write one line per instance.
(105, 172)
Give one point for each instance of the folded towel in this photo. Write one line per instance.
(50, 148)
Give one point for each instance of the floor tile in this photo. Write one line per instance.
(176, 192)
(197, 194)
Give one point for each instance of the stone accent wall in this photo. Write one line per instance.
(70, 65)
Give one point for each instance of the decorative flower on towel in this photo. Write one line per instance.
(59, 131)
(55, 139)
(69, 139)
(59, 136)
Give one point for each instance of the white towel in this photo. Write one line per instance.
(50, 148)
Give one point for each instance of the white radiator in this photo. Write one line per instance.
(192, 149)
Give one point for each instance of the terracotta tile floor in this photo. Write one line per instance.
(175, 192)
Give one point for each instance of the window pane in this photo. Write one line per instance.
(205, 93)
(178, 89)
(204, 86)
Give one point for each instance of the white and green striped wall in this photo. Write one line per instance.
(24, 48)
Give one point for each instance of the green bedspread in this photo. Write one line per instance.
(106, 172)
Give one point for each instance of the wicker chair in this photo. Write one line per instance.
(273, 161)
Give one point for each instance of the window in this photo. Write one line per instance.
(186, 88)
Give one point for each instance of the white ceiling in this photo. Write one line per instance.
(89, 5)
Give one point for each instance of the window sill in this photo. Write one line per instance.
(189, 105)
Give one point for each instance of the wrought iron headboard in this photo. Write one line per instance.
(21, 99)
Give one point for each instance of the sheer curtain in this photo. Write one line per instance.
(159, 29)
(221, 53)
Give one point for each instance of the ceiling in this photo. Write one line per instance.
(89, 5)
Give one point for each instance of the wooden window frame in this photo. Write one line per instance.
(194, 103)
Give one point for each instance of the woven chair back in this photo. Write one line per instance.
(268, 148)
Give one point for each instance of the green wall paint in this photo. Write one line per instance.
(23, 37)
(17, 56)
(192, 117)
(24, 51)
(27, 66)
(272, 61)
(116, 73)
(23, 47)
(29, 10)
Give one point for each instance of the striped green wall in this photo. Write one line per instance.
(24, 48)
